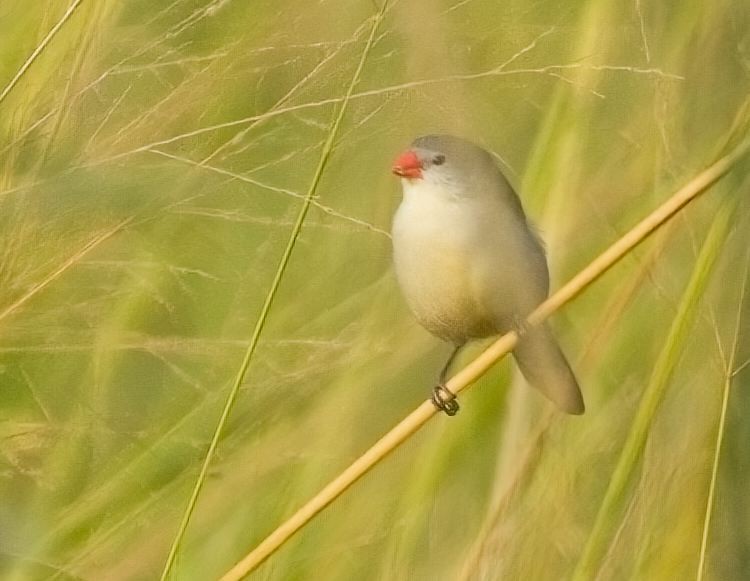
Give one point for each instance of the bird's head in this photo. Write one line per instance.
(445, 159)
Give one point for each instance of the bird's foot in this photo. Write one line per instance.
(444, 399)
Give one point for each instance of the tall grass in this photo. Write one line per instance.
(155, 158)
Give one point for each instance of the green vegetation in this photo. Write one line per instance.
(159, 161)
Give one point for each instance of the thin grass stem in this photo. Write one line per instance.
(64, 267)
(262, 317)
(39, 49)
(720, 430)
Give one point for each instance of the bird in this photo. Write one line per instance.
(470, 265)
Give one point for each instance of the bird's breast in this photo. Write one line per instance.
(436, 267)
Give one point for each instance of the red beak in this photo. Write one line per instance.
(407, 165)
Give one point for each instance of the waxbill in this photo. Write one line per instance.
(469, 264)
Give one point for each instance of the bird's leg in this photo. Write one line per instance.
(442, 397)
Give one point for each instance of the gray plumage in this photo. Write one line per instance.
(468, 262)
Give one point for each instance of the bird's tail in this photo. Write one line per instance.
(544, 366)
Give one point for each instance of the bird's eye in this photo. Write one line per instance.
(439, 159)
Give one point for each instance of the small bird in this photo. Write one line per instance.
(469, 264)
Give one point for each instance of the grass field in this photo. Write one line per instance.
(192, 187)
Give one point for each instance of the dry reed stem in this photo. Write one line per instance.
(464, 378)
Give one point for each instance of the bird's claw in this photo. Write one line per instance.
(444, 399)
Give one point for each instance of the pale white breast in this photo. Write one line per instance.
(436, 262)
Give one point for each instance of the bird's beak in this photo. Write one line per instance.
(407, 165)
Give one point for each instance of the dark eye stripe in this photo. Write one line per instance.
(439, 159)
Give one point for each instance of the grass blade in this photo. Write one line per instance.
(632, 451)
(283, 262)
(729, 373)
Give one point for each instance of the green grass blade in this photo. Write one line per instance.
(266, 308)
(729, 373)
(631, 456)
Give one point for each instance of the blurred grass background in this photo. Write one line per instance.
(152, 160)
